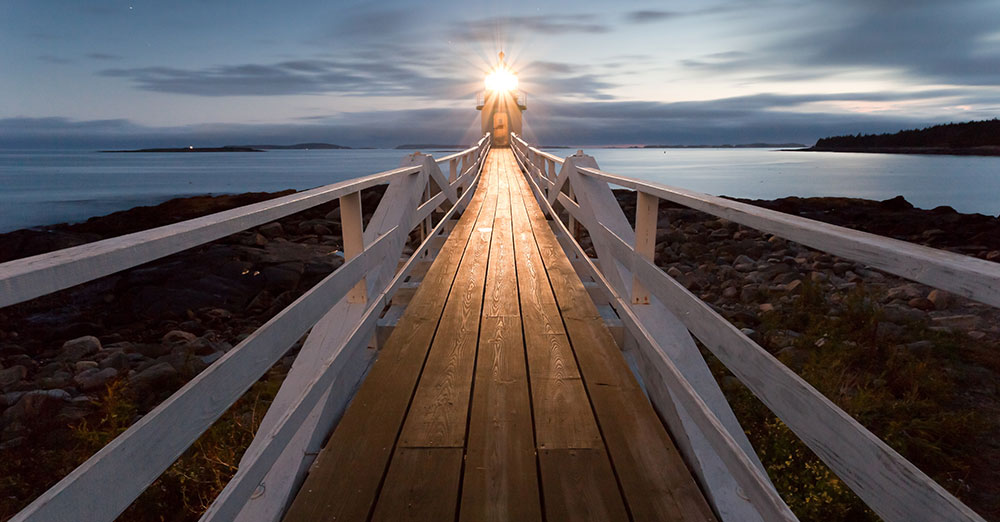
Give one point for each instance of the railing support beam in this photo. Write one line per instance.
(352, 228)
(646, 213)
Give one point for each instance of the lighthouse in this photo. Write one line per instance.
(501, 104)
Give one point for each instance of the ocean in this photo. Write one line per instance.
(48, 187)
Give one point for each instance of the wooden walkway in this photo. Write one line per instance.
(500, 395)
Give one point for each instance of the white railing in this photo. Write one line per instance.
(661, 315)
(339, 313)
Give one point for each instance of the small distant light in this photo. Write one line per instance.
(191, 147)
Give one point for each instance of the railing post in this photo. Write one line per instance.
(574, 227)
(352, 227)
(646, 212)
(452, 166)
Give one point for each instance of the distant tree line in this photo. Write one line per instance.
(951, 136)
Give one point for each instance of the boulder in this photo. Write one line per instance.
(940, 299)
(176, 337)
(94, 378)
(156, 375)
(11, 376)
(80, 347)
(36, 407)
(921, 303)
(271, 230)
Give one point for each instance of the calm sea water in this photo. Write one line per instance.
(45, 187)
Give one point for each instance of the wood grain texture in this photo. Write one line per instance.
(345, 478)
(579, 486)
(500, 481)
(653, 477)
(439, 412)
(421, 486)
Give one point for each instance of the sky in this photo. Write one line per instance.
(138, 73)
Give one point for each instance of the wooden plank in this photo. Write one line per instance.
(563, 418)
(439, 412)
(346, 476)
(656, 483)
(422, 485)
(653, 477)
(580, 486)
(285, 476)
(500, 481)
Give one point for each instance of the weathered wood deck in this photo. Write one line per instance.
(500, 395)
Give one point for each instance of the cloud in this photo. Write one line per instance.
(744, 119)
(488, 29)
(369, 78)
(57, 60)
(929, 41)
(646, 16)
(104, 56)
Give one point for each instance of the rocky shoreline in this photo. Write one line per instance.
(149, 329)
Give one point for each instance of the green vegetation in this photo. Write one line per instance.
(184, 490)
(908, 397)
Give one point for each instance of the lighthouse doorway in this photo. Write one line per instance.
(501, 134)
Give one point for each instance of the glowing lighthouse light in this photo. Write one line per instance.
(501, 80)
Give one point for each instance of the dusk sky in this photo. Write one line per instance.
(119, 73)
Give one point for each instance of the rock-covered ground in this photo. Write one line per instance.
(71, 362)
(917, 366)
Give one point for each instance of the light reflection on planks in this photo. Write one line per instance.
(500, 395)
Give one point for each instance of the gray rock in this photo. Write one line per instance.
(80, 347)
(36, 407)
(212, 357)
(749, 293)
(921, 303)
(674, 272)
(94, 378)
(153, 376)
(82, 366)
(902, 314)
(176, 337)
(271, 230)
(905, 292)
(117, 360)
(743, 259)
(12, 376)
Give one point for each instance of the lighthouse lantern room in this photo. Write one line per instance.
(501, 104)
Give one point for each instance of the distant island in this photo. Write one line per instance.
(417, 146)
(228, 148)
(240, 148)
(974, 138)
(726, 146)
(297, 146)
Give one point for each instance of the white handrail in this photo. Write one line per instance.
(94, 490)
(27, 278)
(892, 486)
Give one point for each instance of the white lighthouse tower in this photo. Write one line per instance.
(502, 104)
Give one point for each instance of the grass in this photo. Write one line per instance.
(909, 399)
(182, 492)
